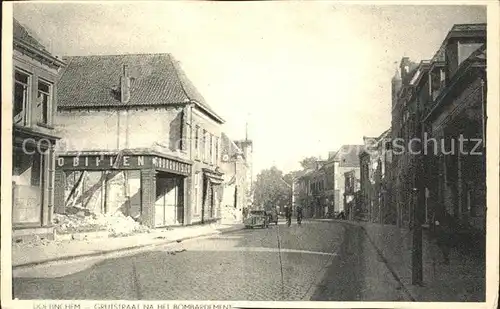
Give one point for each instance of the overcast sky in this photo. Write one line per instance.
(307, 76)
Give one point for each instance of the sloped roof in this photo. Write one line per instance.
(22, 33)
(478, 57)
(156, 79)
(305, 173)
(411, 73)
(371, 143)
(456, 31)
(24, 40)
(298, 174)
(228, 147)
(348, 155)
(478, 54)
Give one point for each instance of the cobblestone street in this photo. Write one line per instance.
(318, 261)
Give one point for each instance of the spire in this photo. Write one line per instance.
(246, 131)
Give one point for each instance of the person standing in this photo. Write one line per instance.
(444, 229)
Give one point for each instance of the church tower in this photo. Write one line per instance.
(246, 147)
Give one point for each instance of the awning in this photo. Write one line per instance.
(215, 177)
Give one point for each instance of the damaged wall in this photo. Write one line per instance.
(105, 192)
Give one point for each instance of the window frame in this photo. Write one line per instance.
(196, 141)
(216, 150)
(206, 157)
(50, 101)
(211, 148)
(203, 145)
(25, 121)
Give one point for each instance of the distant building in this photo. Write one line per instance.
(246, 147)
(374, 163)
(344, 160)
(35, 73)
(330, 193)
(404, 127)
(353, 203)
(303, 193)
(317, 183)
(137, 138)
(236, 184)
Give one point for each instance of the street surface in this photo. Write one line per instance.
(316, 261)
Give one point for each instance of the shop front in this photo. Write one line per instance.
(150, 187)
(32, 183)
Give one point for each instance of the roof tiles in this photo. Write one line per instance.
(155, 79)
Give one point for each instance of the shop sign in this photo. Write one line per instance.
(103, 162)
(171, 165)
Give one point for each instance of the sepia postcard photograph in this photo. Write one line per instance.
(253, 154)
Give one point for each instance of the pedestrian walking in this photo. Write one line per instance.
(288, 215)
(341, 215)
(299, 215)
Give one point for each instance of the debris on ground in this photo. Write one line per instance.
(80, 220)
(33, 241)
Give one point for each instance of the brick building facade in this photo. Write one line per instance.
(403, 128)
(441, 101)
(374, 163)
(457, 179)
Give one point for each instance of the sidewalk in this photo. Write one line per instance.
(26, 255)
(463, 280)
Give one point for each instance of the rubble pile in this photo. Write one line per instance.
(33, 241)
(120, 225)
(82, 220)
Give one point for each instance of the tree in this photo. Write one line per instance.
(309, 163)
(271, 190)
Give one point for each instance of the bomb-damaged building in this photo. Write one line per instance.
(137, 139)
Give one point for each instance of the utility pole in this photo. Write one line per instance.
(418, 199)
(292, 190)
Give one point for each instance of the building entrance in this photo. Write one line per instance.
(169, 205)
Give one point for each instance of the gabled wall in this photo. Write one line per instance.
(120, 129)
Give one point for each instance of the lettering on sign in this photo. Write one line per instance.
(101, 162)
(174, 166)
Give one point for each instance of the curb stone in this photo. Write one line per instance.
(125, 249)
(379, 252)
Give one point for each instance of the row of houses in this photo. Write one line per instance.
(431, 157)
(122, 133)
(442, 103)
(321, 189)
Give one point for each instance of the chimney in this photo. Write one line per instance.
(125, 85)
(404, 67)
